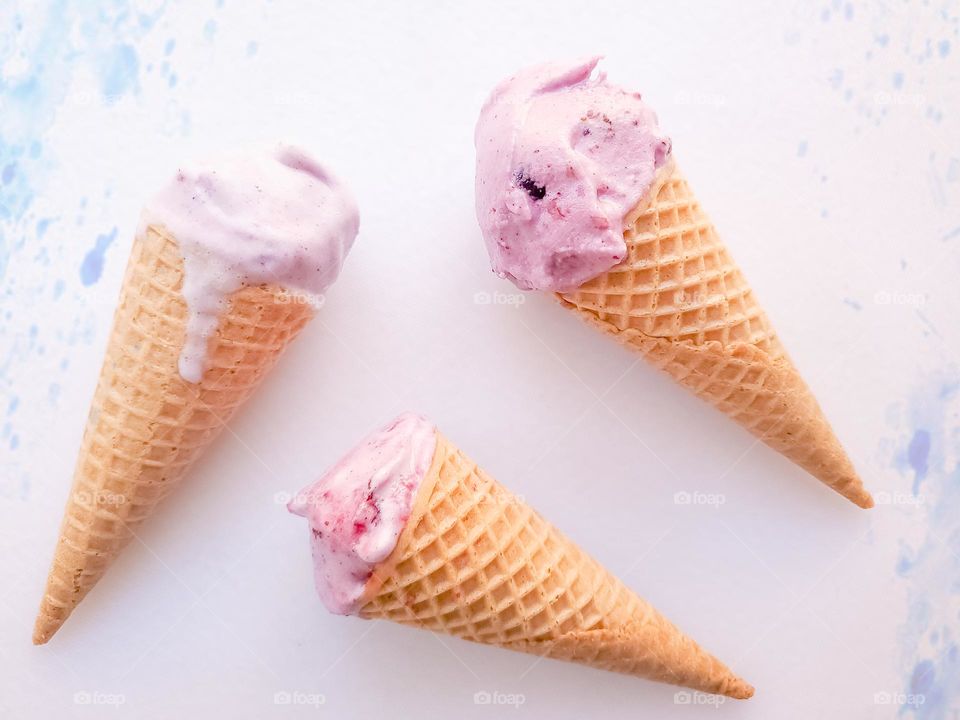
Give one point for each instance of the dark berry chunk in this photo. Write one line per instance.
(537, 192)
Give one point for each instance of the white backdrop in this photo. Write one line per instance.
(822, 140)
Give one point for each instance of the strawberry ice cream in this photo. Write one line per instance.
(562, 157)
(359, 508)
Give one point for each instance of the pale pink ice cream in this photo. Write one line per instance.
(359, 508)
(562, 157)
(275, 217)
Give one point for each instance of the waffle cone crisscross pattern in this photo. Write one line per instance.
(680, 300)
(476, 562)
(146, 424)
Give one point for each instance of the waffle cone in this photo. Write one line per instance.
(680, 300)
(476, 562)
(146, 424)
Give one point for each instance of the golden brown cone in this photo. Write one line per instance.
(680, 300)
(146, 424)
(476, 562)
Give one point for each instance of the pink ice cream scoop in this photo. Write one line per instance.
(359, 508)
(562, 157)
(274, 217)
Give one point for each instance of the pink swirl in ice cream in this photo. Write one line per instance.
(562, 157)
(276, 218)
(359, 508)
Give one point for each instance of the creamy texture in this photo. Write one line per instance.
(276, 218)
(359, 508)
(562, 157)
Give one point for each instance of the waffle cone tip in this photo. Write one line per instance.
(855, 492)
(45, 627)
(863, 499)
(738, 689)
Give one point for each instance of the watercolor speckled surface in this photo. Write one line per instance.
(822, 137)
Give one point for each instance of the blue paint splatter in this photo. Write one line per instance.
(92, 266)
(898, 80)
(802, 149)
(918, 455)
(119, 71)
(8, 172)
(210, 29)
(252, 48)
(926, 683)
(922, 678)
(953, 170)
(168, 48)
(852, 303)
(944, 48)
(836, 79)
(904, 561)
(931, 659)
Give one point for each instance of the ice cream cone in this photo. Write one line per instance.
(146, 424)
(476, 562)
(680, 300)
